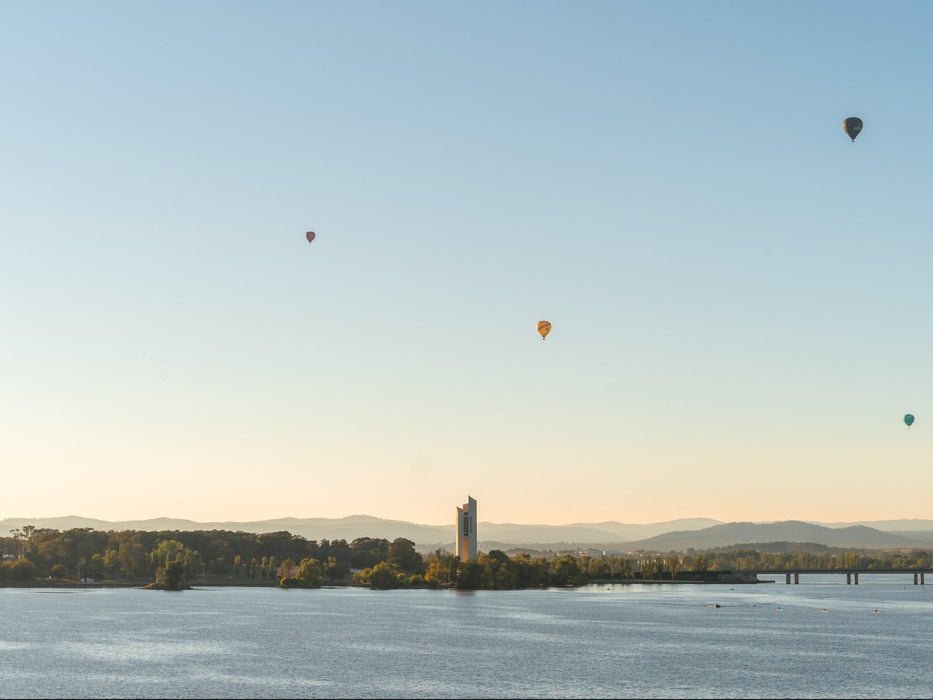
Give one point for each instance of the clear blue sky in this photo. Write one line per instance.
(739, 294)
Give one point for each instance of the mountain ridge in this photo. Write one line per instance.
(733, 534)
(671, 535)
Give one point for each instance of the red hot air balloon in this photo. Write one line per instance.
(310, 236)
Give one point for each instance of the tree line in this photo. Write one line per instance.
(765, 558)
(133, 555)
(175, 558)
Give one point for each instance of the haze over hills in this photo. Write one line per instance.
(673, 535)
(729, 534)
(353, 526)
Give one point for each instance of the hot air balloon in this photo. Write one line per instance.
(852, 126)
(310, 236)
(909, 420)
(544, 327)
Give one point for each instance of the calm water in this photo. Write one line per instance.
(770, 640)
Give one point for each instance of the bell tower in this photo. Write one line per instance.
(466, 530)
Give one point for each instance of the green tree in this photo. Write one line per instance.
(402, 553)
(111, 562)
(173, 552)
(566, 572)
(622, 567)
(382, 576)
(134, 563)
(531, 573)
(22, 570)
(441, 569)
(651, 568)
(469, 576)
(673, 563)
(498, 570)
(218, 566)
(311, 573)
(365, 551)
(173, 574)
(23, 536)
(336, 570)
(96, 566)
(597, 567)
(385, 576)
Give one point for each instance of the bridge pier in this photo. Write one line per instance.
(788, 578)
(848, 578)
(921, 579)
(796, 577)
(916, 578)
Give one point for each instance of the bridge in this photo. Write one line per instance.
(851, 574)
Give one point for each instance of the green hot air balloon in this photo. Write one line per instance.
(909, 420)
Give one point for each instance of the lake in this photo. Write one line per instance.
(820, 638)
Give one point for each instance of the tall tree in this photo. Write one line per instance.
(402, 553)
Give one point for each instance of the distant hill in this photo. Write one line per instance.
(353, 526)
(729, 534)
(348, 528)
(908, 525)
(673, 535)
(583, 533)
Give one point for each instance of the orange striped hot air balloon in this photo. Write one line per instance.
(544, 327)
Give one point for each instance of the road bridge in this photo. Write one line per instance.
(851, 574)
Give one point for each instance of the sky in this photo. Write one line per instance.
(739, 293)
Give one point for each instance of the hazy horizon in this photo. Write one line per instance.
(452, 523)
(735, 287)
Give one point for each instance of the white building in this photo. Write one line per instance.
(466, 530)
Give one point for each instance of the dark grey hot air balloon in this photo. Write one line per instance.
(852, 126)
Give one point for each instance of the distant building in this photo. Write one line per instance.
(466, 530)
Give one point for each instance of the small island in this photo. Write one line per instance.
(156, 586)
(172, 576)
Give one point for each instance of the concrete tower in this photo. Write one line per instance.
(466, 530)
